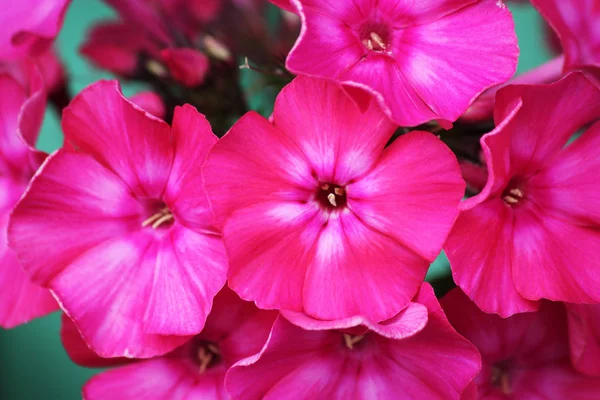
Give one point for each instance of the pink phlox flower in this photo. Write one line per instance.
(422, 60)
(117, 225)
(416, 355)
(234, 330)
(524, 357)
(532, 232)
(319, 216)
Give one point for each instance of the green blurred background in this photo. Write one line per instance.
(32, 361)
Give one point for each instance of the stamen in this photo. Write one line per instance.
(513, 196)
(350, 340)
(378, 40)
(325, 186)
(339, 191)
(331, 198)
(368, 44)
(205, 357)
(516, 192)
(159, 218)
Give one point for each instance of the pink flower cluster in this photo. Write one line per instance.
(286, 259)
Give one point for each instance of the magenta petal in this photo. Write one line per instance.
(407, 322)
(576, 24)
(480, 253)
(29, 26)
(531, 338)
(255, 162)
(20, 300)
(418, 207)
(185, 194)
(558, 109)
(190, 270)
(108, 304)
(271, 270)
(568, 188)
(289, 348)
(78, 194)
(554, 259)
(584, 337)
(12, 147)
(160, 379)
(558, 382)
(79, 352)
(488, 47)
(349, 146)
(359, 271)
(326, 46)
(121, 136)
(382, 77)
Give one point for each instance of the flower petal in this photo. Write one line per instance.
(359, 271)
(410, 321)
(568, 188)
(548, 118)
(185, 194)
(121, 136)
(160, 378)
(79, 352)
(190, 270)
(554, 259)
(20, 300)
(575, 23)
(584, 337)
(382, 77)
(108, 304)
(326, 46)
(72, 205)
(530, 338)
(479, 249)
(344, 142)
(28, 27)
(418, 207)
(269, 247)
(253, 163)
(426, 55)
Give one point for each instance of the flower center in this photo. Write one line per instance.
(331, 196)
(501, 379)
(351, 340)
(160, 216)
(375, 37)
(512, 196)
(207, 355)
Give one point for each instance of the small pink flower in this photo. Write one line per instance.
(21, 113)
(318, 217)
(28, 27)
(577, 24)
(423, 60)
(360, 360)
(234, 330)
(525, 357)
(532, 232)
(117, 224)
(584, 336)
